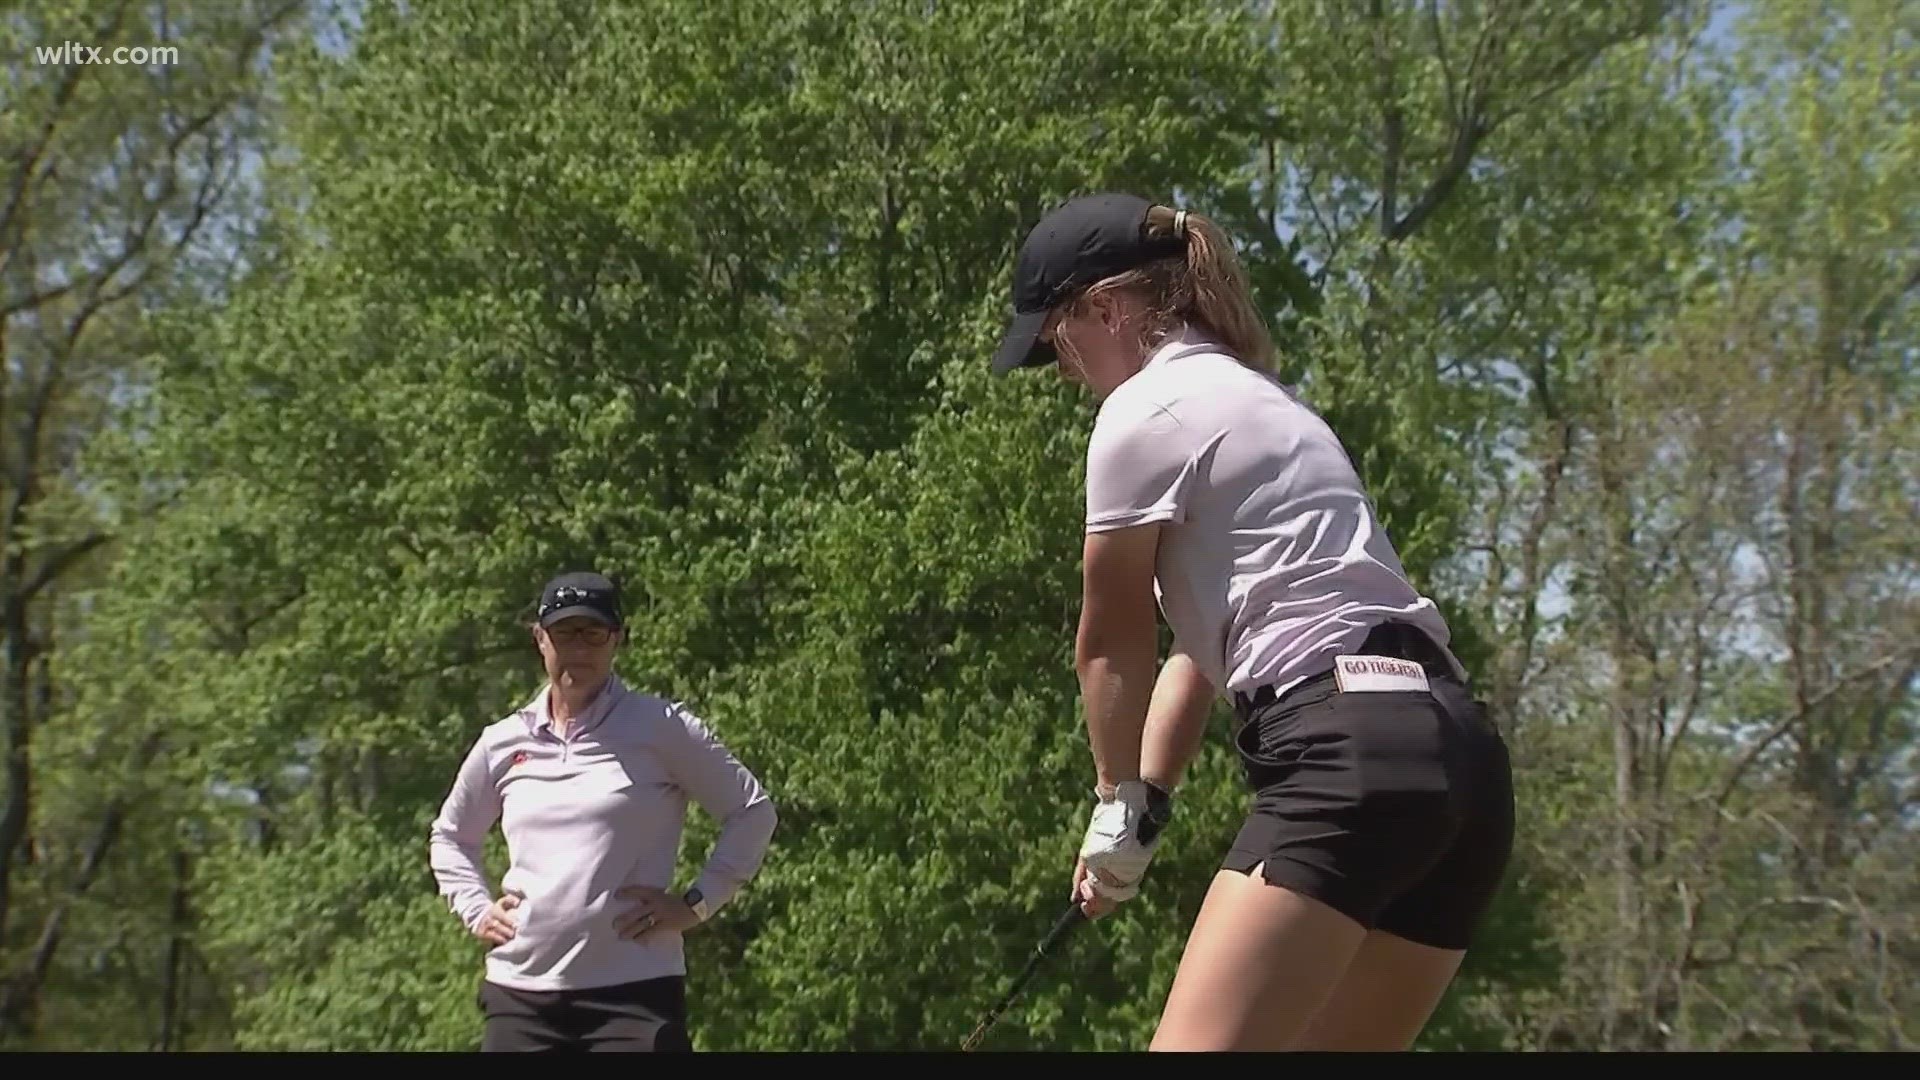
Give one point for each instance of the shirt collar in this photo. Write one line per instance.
(1182, 340)
(538, 718)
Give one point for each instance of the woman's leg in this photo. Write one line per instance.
(521, 1021)
(1375, 809)
(642, 1017)
(1390, 990)
(1261, 961)
(1403, 969)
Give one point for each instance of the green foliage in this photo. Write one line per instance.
(702, 296)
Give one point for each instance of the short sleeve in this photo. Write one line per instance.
(1140, 469)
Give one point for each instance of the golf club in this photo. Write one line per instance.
(1072, 917)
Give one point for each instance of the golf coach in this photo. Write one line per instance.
(590, 782)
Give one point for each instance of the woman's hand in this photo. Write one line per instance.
(656, 910)
(1125, 832)
(1092, 904)
(496, 926)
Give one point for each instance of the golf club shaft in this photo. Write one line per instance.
(1070, 918)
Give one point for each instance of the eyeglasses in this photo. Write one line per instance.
(586, 635)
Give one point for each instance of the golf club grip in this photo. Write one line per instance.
(1069, 919)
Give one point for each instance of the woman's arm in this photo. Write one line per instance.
(706, 769)
(1176, 720)
(1115, 649)
(455, 839)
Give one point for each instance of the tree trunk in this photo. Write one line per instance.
(174, 976)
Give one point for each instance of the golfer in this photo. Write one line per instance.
(1381, 807)
(590, 782)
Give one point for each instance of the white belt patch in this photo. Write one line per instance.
(1378, 674)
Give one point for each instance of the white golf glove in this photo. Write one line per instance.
(1122, 836)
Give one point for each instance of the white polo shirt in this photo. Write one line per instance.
(585, 815)
(1271, 559)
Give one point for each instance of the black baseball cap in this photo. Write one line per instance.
(1079, 243)
(581, 593)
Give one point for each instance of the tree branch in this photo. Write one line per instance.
(60, 563)
(1800, 713)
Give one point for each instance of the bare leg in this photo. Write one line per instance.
(1261, 961)
(1391, 989)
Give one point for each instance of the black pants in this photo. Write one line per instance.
(1395, 808)
(639, 1017)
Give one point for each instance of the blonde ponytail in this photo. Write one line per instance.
(1206, 288)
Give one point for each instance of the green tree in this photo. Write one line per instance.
(703, 295)
(119, 180)
(1720, 714)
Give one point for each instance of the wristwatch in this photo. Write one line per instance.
(694, 899)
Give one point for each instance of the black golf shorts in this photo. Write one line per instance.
(1393, 807)
(649, 1016)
